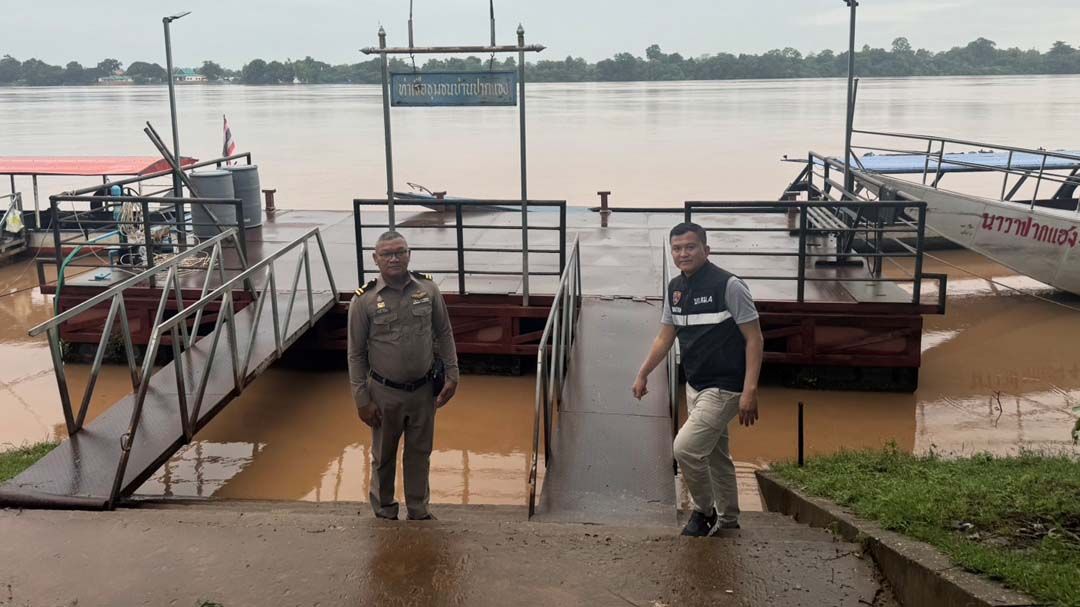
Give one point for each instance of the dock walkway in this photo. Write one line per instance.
(611, 455)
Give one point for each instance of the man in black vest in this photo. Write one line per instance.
(713, 316)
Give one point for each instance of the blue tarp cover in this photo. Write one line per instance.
(986, 161)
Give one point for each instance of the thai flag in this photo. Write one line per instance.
(229, 148)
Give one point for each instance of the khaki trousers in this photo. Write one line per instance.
(411, 414)
(701, 448)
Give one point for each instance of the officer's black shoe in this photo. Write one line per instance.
(428, 517)
(700, 524)
(386, 518)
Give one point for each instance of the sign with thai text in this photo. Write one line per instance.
(1029, 228)
(440, 89)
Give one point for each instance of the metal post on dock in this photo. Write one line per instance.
(848, 181)
(604, 210)
(386, 129)
(524, 170)
(802, 459)
(37, 206)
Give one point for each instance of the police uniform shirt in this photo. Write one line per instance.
(705, 310)
(392, 332)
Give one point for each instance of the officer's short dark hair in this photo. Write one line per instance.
(688, 226)
(389, 235)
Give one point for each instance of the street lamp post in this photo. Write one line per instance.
(177, 184)
(849, 181)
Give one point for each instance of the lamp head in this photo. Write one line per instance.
(172, 18)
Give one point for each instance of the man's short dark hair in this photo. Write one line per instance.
(390, 235)
(688, 226)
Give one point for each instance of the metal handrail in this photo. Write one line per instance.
(118, 310)
(995, 146)
(459, 226)
(148, 225)
(182, 328)
(552, 361)
(857, 216)
(939, 158)
(143, 276)
(176, 328)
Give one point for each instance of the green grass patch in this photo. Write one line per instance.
(14, 461)
(1013, 519)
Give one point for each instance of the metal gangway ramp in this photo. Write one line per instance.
(111, 457)
(608, 457)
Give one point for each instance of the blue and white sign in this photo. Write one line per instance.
(438, 89)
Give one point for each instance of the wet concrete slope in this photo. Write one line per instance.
(611, 457)
(304, 554)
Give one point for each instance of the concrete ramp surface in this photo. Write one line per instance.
(611, 457)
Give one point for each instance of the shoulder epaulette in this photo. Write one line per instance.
(360, 291)
(422, 275)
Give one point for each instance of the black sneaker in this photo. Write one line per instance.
(700, 524)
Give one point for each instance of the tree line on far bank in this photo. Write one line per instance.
(979, 57)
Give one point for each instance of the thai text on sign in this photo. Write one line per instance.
(453, 89)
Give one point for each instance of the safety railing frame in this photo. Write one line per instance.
(935, 150)
(858, 208)
(552, 362)
(148, 226)
(457, 206)
(180, 335)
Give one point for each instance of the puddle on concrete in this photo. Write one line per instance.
(1001, 371)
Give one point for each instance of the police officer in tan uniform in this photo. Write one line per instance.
(396, 323)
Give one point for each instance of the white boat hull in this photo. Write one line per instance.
(1040, 243)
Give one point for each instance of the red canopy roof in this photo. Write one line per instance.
(85, 165)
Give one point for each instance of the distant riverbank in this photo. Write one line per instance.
(980, 57)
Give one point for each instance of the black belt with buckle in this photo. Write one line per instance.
(411, 386)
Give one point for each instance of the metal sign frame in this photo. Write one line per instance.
(493, 49)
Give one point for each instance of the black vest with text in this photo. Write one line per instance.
(713, 349)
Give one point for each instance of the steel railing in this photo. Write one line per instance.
(461, 247)
(552, 362)
(182, 330)
(156, 229)
(936, 159)
(870, 221)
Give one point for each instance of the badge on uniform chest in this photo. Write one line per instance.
(420, 298)
(380, 305)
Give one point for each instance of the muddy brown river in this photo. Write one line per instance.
(1001, 372)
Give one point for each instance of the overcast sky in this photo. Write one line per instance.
(232, 32)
